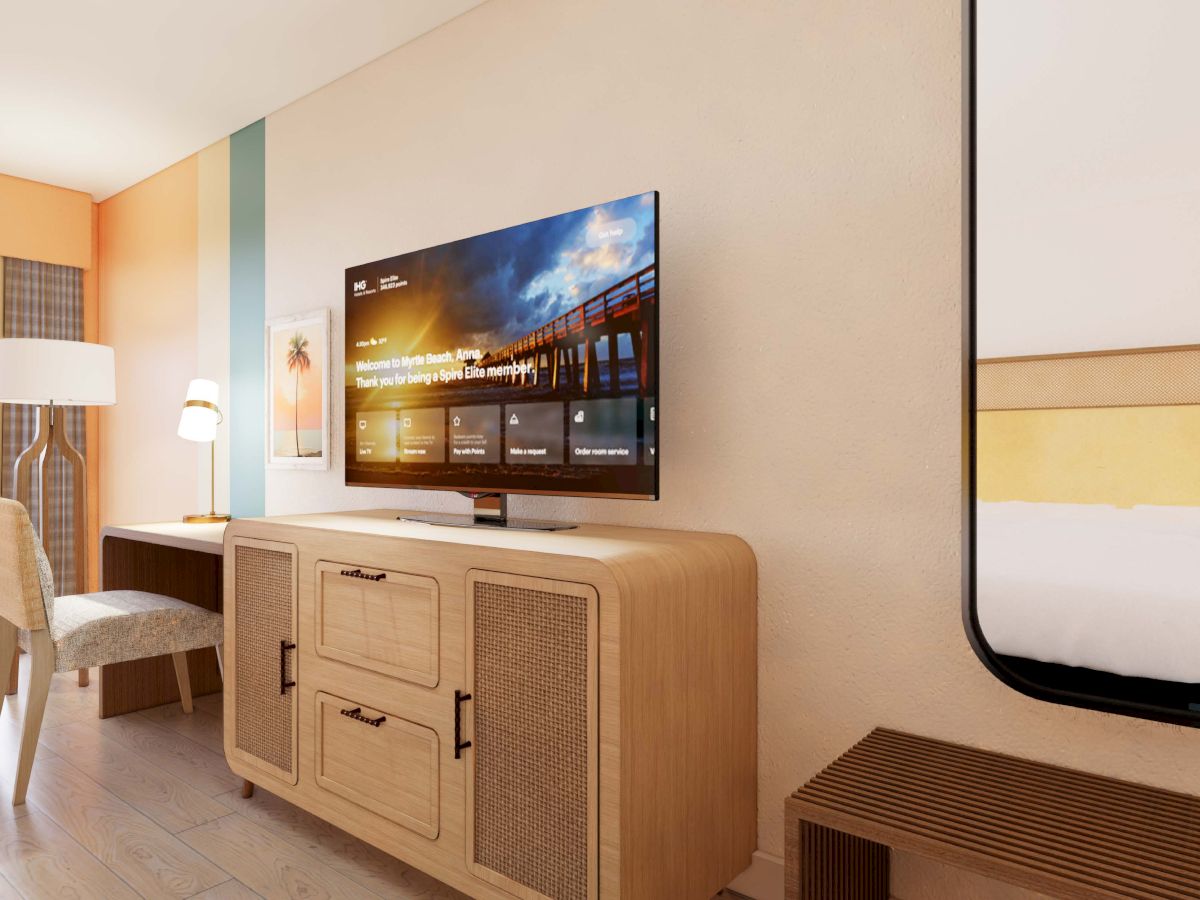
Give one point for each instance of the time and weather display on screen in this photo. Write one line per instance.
(523, 360)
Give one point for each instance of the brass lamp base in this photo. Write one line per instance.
(206, 518)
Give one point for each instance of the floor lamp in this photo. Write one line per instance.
(50, 375)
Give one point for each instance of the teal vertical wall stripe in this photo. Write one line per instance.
(247, 320)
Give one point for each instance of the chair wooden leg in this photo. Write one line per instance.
(220, 660)
(85, 677)
(14, 675)
(181, 675)
(247, 789)
(41, 669)
(8, 648)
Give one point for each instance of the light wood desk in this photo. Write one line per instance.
(171, 558)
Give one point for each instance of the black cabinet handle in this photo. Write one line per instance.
(356, 714)
(284, 684)
(359, 573)
(459, 744)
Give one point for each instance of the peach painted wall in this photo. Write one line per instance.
(45, 223)
(148, 277)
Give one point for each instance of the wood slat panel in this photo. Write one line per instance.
(1043, 827)
(840, 865)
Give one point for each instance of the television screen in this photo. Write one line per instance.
(519, 361)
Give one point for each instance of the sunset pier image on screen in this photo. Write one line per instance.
(523, 360)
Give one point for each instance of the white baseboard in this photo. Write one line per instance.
(763, 880)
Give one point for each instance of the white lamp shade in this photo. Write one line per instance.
(39, 372)
(199, 423)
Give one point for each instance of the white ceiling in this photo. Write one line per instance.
(96, 95)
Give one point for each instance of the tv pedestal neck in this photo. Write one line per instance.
(491, 511)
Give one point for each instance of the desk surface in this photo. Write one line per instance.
(207, 538)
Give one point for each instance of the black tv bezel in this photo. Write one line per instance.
(469, 489)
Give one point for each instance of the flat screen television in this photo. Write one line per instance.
(520, 361)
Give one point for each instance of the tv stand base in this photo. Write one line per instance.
(463, 520)
(491, 511)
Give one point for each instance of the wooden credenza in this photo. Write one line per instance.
(567, 715)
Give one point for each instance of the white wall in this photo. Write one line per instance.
(1089, 189)
(212, 316)
(808, 158)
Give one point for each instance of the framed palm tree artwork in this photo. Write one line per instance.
(298, 391)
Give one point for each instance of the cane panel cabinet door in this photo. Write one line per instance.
(262, 724)
(532, 769)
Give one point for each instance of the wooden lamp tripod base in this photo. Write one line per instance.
(52, 435)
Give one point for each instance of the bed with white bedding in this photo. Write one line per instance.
(1116, 590)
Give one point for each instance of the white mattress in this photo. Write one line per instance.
(1116, 590)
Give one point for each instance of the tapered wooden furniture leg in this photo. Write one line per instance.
(247, 789)
(8, 647)
(41, 669)
(14, 675)
(220, 661)
(85, 677)
(181, 675)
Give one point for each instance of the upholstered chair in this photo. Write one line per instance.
(81, 630)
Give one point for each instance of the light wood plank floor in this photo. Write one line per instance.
(144, 805)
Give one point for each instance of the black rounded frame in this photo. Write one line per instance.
(1083, 694)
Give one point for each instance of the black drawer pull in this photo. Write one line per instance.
(356, 714)
(359, 573)
(459, 744)
(284, 684)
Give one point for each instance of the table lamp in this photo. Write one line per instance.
(51, 374)
(198, 422)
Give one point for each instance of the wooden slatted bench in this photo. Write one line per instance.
(1065, 833)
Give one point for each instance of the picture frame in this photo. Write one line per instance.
(298, 352)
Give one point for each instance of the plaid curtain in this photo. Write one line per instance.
(45, 301)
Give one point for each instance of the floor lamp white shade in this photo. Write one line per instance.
(42, 372)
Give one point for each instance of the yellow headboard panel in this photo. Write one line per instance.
(1123, 456)
(1120, 427)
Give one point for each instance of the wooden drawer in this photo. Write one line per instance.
(379, 761)
(380, 620)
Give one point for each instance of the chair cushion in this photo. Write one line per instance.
(115, 626)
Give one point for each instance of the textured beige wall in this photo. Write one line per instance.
(808, 155)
